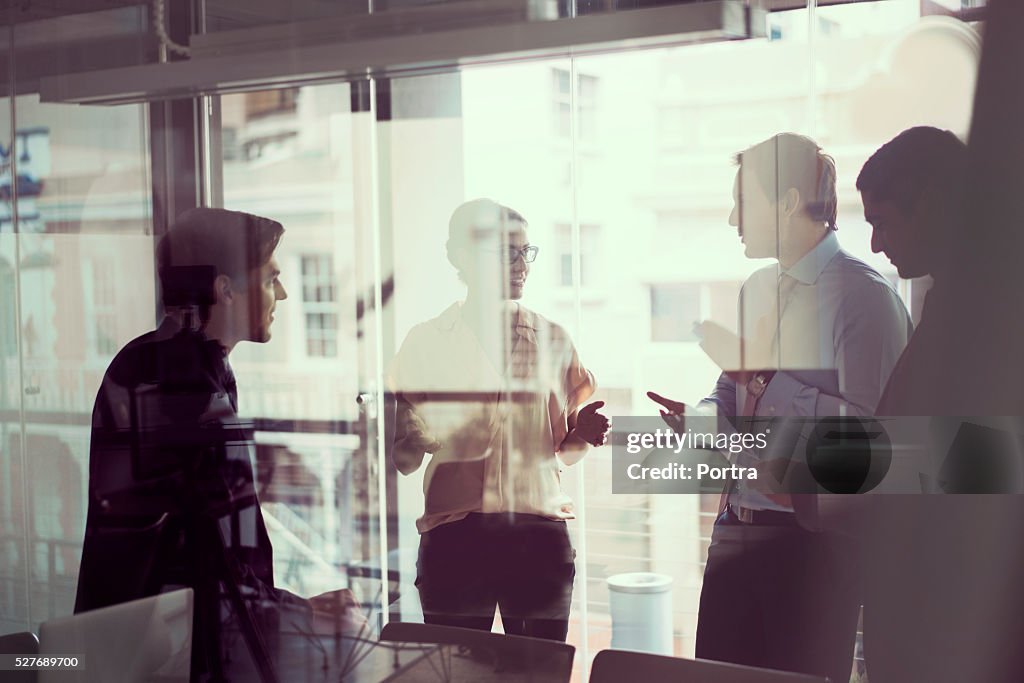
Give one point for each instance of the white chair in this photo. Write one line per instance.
(143, 640)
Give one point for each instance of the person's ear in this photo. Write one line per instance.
(450, 250)
(789, 204)
(928, 208)
(456, 256)
(222, 290)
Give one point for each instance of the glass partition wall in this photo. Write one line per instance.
(78, 282)
(622, 165)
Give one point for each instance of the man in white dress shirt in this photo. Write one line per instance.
(819, 334)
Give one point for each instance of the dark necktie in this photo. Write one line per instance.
(771, 320)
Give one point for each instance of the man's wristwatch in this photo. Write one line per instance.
(759, 383)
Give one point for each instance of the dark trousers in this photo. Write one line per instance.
(780, 597)
(523, 564)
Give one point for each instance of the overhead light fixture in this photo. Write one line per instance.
(308, 52)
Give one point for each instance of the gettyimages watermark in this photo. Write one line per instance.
(832, 455)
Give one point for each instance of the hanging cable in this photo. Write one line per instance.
(161, 31)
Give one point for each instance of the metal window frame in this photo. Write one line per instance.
(298, 61)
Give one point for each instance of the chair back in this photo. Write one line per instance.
(615, 666)
(120, 561)
(24, 643)
(472, 656)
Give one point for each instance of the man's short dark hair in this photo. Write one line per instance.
(233, 242)
(788, 160)
(916, 160)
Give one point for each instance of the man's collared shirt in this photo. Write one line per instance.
(499, 428)
(837, 337)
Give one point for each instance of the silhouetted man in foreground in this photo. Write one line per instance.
(172, 501)
(912, 189)
(942, 599)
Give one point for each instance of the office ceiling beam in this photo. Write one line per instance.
(22, 11)
(297, 59)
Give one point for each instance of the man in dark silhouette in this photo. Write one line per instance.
(942, 590)
(172, 501)
(912, 189)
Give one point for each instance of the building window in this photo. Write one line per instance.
(319, 306)
(675, 307)
(8, 325)
(671, 124)
(590, 248)
(274, 146)
(563, 106)
(104, 309)
(827, 27)
(231, 150)
(586, 103)
(269, 102)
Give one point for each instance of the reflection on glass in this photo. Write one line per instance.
(494, 393)
(290, 153)
(172, 497)
(628, 194)
(659, 184)
(83, 261)
(14, 608)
